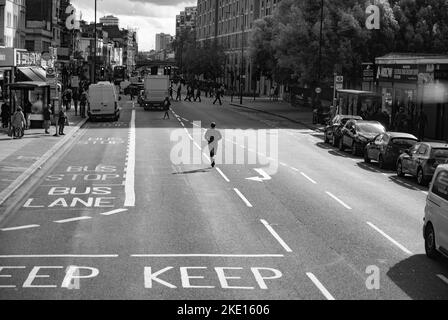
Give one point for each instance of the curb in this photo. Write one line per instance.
(280, 116)
(5, 194)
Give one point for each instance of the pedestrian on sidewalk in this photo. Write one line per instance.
(47, 118)
(178, 92)
(76, 100)
(18, 123)
(83, 103)
(62, 121)
(27, 114)
(276, 92)
(5, 114)
(170, 91)
(218, 96)
(189, 93)
(197, 94)
(67, 98)
(166, 106)
(212, 136)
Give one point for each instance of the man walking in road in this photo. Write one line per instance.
(166, 106)
(178, 92)
(197, 94)
(212, 136)
(218, 96)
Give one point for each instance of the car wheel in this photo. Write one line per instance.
(421, 180)
(341, 144)
(381, 163)
(366, 157)
(354, 149)
(400, 172)
(430, 242)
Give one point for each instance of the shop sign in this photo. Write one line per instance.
(27, 59)
(441, 72)
(6, 57)
(368, 72)
(385, 73)
(406, 72)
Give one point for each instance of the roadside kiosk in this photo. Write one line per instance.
(36, 92)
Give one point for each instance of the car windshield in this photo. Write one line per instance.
(440, 153)
(404, 142)
(370, 128)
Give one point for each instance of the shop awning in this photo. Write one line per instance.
(33, 73)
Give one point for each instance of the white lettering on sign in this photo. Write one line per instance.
(90, 202)
(150, 277)
(63, 191)
(100, 168)
(103, 141)
(73, 275)
(34, 274)
(8, 275)
(185, 277)
(84, 177)
(222, 277)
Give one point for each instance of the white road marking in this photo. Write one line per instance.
(222, 174)
(73, 219)
(320, 286)
(113, 212)
(184, 119)
(208, 255)
(9, 256)
(130, 169)
(21, 227)
(276, 236)
(295, 169)
(182, 124)
(238, 192)
(404, 249)
(443, 278)
(425, 192)
(303, 174)
(283, 164)
(264, 176)
(339, 200)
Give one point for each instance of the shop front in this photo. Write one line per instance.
(415, 83)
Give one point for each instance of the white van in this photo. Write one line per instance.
(435, 229)
(103, 101)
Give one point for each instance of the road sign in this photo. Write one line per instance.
(339, 86)
(318, 90)
(51, 73)
(339, 79)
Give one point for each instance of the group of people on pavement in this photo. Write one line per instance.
(194, 92)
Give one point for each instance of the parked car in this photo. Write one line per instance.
(333, 128)
(356, 134)
(387, 147)
(422, 160)
(435, 226)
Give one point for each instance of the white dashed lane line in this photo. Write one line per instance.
(276, 236)
(21, 227)
(222, 174)
(402, 248)
(238, 192)
(19, 256)
(320, 286)
(113, 212)
(443, 278)
(73, 219)
(308, 178)
(338, 200)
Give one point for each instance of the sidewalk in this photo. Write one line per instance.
(20, 158)
(300, 115)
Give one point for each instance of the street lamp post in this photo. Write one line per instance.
(95, 49)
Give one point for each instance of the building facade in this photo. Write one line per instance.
(109, 20)
(229, 23)
(163, 41)
(12, 23)
(186, 21)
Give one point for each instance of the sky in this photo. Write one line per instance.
(147, 16)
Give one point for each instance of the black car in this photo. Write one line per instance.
(135, 88)
(356, 134)
(387, 147)
(332, 131)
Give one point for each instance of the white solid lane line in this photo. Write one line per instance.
(402, 248)
(338, 200)
(73, 219)
(175, 255)
(9, 256)
(222, 174)
(21, 227)
(130, 168)
(113, 212)
(320, 286)
(276, 236)
(311, 180)
(443, 278)
(238, 192)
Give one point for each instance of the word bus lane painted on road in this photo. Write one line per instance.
(104, 141)
(81, 187)
(152, 278)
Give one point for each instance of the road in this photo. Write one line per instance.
(116, 216)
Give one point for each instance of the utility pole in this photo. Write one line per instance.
(95, 49)
(242, 57)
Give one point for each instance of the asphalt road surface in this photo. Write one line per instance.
(281, 216)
